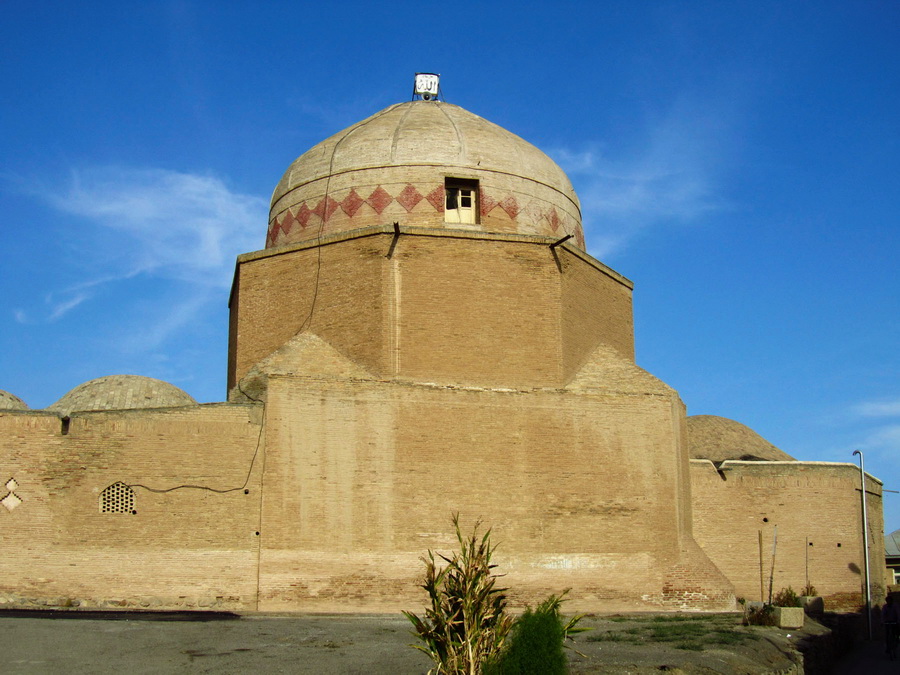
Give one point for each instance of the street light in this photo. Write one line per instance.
(865, 527)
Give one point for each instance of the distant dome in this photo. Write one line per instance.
(892, 544)
(121, 392)
(393, 166)
(719, 438)
(11, 402)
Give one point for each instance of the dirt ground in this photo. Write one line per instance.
(70, 642)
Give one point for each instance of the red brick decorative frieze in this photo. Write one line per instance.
(409, 197)
(326, 208)
(436, 198)
(554, 219)
(487, 203)
(510, 205)
(379, 199)
(287, 222)
(531, 215)
(303, 215)
(351, 203)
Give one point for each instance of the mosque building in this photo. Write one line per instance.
(423, 334)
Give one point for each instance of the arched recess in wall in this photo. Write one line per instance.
(117, 498)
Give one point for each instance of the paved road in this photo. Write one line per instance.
(110, 644)
(74, 643)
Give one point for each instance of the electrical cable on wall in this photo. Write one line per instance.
(308, 321)
(262, 425)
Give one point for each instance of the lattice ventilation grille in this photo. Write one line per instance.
(117, 498)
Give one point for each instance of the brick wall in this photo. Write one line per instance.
(183, 548)
(595, 309)
(816, 508)
(338, 288)
(579, 486)
(473, 309)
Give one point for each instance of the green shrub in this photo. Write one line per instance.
(809, 589)
(759, 616)
(537, 641)
(535, 645)
(693, 632)
(690, 645)
(786, 597)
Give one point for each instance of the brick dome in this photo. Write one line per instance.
(395, 167)
(121, 392)
(11, 401)
(719, 438)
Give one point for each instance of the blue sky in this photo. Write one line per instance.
(740, 161)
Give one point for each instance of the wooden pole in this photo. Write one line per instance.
(807, 563)
(772, 572)
(762, 571)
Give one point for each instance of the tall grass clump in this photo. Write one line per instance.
(466, 624)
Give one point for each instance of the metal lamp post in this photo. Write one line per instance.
(865, 527)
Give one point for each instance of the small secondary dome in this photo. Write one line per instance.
(429, 164)
(719, 438)
(892, 543)
(11, 401)
(121, 392)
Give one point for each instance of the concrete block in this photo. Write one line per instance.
(789, 617)
(814, 605)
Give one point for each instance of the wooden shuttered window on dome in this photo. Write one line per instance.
(461, 205)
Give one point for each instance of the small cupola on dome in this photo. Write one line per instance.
(425, 163)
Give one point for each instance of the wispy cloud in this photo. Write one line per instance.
(878, 408)
(129, 222)
(177, 225)
(886, 437)
(60, 301)
(668, 176)
(61, 308)
(171, 322)
(881, 446)
(879, 439)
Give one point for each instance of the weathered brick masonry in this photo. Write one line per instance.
(393, 359)
(816, 508)
(189, 547)
(452, 307)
